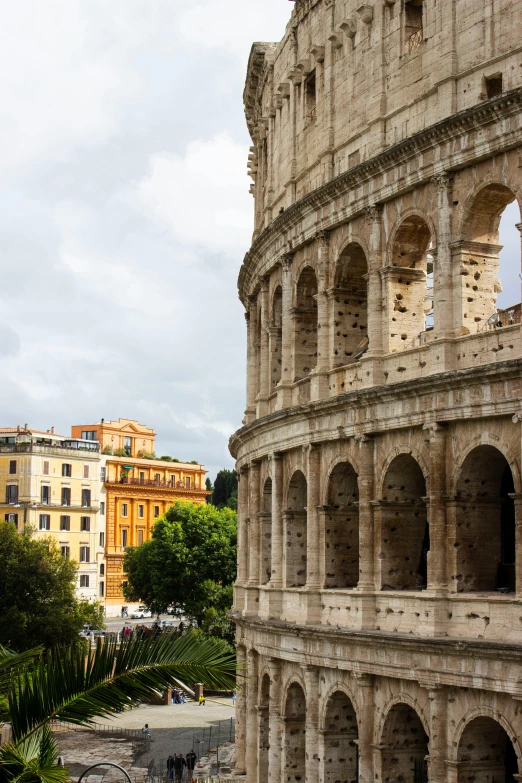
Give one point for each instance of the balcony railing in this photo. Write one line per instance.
(508, 317)
(38, 448)
(137, 482)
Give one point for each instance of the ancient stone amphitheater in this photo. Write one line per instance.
(378, 601)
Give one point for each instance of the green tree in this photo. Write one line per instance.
(189, 562)
(67, 685)
(91, 612)
(224, 487)
(38, 604)
(208, 485)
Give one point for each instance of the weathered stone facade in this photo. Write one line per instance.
(379, 594)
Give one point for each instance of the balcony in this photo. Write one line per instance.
(55, 450)
(137, 482)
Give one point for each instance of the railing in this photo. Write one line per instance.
(137, 482)
(508, 317)
(42, 505)
(421, 339)
(414, 41)
(37, 448)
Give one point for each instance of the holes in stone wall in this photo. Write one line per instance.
(295, 738)
(266, 532)
(486, 753)
(296, 531)
(264, 733)
(405, 746)
(305, 324)
(276, 338)
(350, 306)
(340, 741)
(485, 540)
(342, 529)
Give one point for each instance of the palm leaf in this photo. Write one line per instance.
(70, 686)
(32, 760)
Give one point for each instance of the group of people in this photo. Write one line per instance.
(178, 696)
(177, 763)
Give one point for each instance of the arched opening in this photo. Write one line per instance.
(490, 287)
(257, 347)
(405, 538)
(486, 753)
(342, 528)
(341, 759)
(264, 728)
(276, 338)
(485, 536)
(410, 289)
(266, 532)
(296, 523)
(295, 740)
(350, 302)
(305, 324)
(405, 746)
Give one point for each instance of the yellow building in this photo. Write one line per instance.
(138, 490)
(52, 484)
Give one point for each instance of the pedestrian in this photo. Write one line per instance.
(170, 767)
(145, 730)
(201, 700)
(234, 696)
(179, 763)
(191, 759)
(182, 698)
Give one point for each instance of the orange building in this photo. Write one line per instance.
(139, 489)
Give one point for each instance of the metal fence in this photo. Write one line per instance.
(213, 736)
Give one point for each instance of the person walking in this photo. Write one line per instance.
(170, 767)
(234, 696)
(191, 759)
(201, 700)
(145, 730)
(179, 763)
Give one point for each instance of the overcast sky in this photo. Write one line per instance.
(125, 214)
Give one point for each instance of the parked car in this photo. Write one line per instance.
(87, 630)
(176, 611)
(141, 612)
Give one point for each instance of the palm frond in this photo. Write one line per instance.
(32, 760)
(72, 687)
(12, 664)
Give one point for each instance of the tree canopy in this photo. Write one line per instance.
(225, 489)
(38, 604)
(189, 562)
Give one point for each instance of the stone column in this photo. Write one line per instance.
(437, 558)
(366, 496)
(375, 262)
(517, 498)
(275, 730)
(443, 308)
(264, 352)
(240, 709)
(276, 579)
(254, 554)
(438, 741)
(251, 391)
(314, 540)
(319, 377)
(242, 536)
(311, 681)
(252, 740)
(284, 392)
(366, 715)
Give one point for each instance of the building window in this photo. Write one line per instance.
(493, 85)
(84, 580)
(157, 478)
(102, 589)
(141, 511)
(102, 539)
(127, 445)
(46, 468)
(66, 551)
(187, 482)
(89, 435)
(11, 493)
(156, 511)
(103, 474)
(66, 470)
(124, 510)
(311, 97)
(12, 518)
(66, 496)
(86, 471)
(12, 467)
(102, 508)
(65, 523)
(124, 538)
(86, 498)
(45, 521)
(46, 494)
(140, 537)
(413, 34)
(142, 477)
(102, 569)
(85, 524)
(85, 554)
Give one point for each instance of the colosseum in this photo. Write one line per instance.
(378, 602)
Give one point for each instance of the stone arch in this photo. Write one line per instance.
(410, 278)
(343, 687)
(349, 305)
(341, 734)
(264, 727)
(487, 748)
(486, 439)
(483, 711)
(296, 531)
(477, 253)
(265, 520)
(405, 740)
(276, 337)
(404, 526)
(294, 740)
(305, 323)
(405, 448)
(342, 528)
(485, 523)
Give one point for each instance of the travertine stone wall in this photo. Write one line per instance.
(379, 587)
